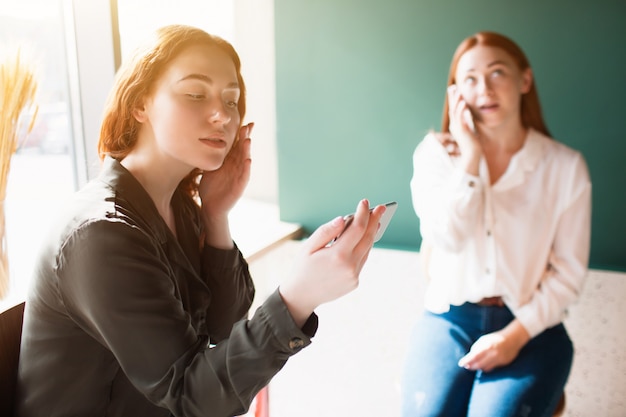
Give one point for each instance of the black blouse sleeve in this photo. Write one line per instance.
(232, 289)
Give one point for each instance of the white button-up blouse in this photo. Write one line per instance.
(525, 238)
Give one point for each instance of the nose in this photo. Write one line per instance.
(484, 86)
(218, 112)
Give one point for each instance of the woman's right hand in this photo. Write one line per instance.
(464, 130)
(323, 272)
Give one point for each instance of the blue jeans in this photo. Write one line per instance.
(434, 385)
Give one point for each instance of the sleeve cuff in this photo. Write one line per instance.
(526, 317)
(464, 182)
(290, 337)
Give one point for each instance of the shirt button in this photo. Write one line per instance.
(487, 271)
(471, 184)
(296, 343)
(488, 232)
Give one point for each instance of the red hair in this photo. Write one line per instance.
(135, 80)
(530, 107)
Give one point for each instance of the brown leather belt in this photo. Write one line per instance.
(491, 302)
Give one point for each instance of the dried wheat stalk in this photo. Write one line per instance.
(19, 87)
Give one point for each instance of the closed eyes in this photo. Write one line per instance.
(196, 96)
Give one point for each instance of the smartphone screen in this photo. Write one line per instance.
(384, 220)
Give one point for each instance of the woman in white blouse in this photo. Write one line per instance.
(505, 213)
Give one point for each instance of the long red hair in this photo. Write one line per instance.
(530, 107)
(135, 80)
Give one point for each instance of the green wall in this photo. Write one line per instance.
(359, 83)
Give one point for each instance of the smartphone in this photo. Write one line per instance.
(384, 220)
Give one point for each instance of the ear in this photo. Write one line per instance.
(139, 113)
(527, 80)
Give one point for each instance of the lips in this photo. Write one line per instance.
(214, 142)
(488, 107)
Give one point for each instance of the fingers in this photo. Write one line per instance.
(244, 134)
(240, 152)
(485, 360)
(361, 219)
(488, 352)
(246, 131)
(245, 165)
(246, 143)
(246, 146)
(371, 222)
(468, 119)
(472, 361)
(455, 99)
(359, 237)
(453, 102)
(330, 231)
(324, 234)
(459, 112)
(364, 225)
(452, 91)
(451, 146)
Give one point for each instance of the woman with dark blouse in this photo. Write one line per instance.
(140, 297)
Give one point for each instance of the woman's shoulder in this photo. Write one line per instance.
(434, 149)
(434, 136)
(434, 141)
(555, 147)
(561, 157)
(99, 213)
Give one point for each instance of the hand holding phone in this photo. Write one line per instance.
(456, 104)
(321, 273)
(390, 209)
(463, 128)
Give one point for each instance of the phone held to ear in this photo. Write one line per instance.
(384, 221)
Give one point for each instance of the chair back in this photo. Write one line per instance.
(10, 338)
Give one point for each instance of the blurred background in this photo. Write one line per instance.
(341, 92)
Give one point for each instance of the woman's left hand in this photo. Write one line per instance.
(496, 349)
(220, 190)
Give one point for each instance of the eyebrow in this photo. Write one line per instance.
(491, 64)
(206, 79)
(497, 62)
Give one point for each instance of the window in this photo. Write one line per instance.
(42, 171)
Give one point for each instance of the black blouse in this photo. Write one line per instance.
(124, 319)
